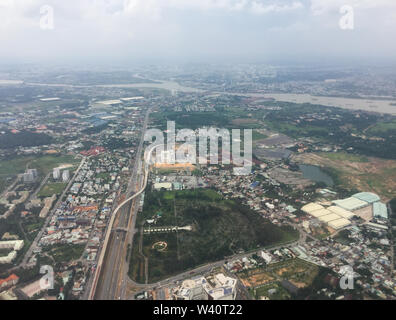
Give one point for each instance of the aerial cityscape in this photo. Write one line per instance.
(129, 177)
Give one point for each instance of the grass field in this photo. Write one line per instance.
(383, 127)
(258, 135)
(52, 188)
(9, 168)
(46, 164)
(66, 253)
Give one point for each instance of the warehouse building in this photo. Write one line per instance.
(329, 217)
(367, 197)
(335, 217)
(320, 213)
(339, 223)
(351, 204)
(311, 207)
(341, 212)
(356, 204)
(380, 210)
(365, 205)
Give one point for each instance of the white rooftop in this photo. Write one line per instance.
(329, 217)
(351, 203)
(339, 223)
(341, 212)
(311, 207)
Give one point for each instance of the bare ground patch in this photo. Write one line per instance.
(374, 174)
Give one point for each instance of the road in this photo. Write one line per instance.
(111, 273)
(205, 268)
(392, 240)
(10, 187)
(29, 253)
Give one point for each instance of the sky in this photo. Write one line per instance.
(197, 30)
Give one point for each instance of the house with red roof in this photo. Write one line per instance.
(12, 280)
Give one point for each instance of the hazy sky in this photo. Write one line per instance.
(197, 30)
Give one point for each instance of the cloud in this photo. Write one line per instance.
(260, 8)
(319, 7)
(188, 28)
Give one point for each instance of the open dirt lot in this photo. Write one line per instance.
(256, 279)
(363, 173)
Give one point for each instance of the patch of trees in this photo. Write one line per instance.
(392, 204)
(24, 139)
(333, 126)
(116, 143)
(198, 119)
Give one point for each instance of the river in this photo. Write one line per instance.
(374, 105)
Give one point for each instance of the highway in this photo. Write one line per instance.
(111, 277)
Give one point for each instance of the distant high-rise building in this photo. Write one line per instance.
(66, 176)
(30, 176)
(56, 173)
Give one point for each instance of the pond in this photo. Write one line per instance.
(315, 174)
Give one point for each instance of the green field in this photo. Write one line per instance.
(221, 228)
(383, 127)
(52, 188)
(46, 164)
(66, 252)
(258, 136)
(9, 168)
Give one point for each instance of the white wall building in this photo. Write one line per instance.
(66, 176)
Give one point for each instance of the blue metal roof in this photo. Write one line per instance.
(367, 196)
(254, 184)
(380, 210)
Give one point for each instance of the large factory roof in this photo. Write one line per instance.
(339, 223)
(341, 212)
(329, 217)
(310, 207)
(351, 203)
(367, 196)
(320, 213)
(380, 210)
